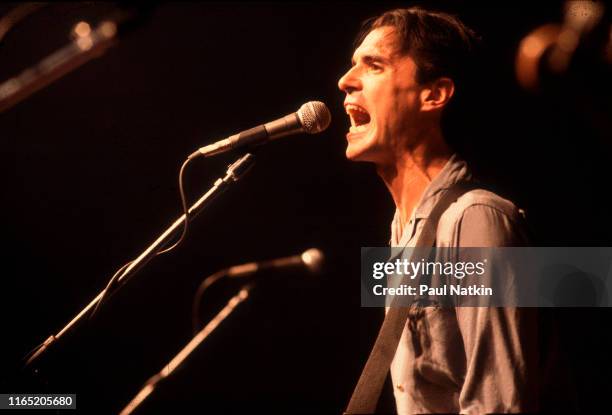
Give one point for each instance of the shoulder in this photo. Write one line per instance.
(481, 218)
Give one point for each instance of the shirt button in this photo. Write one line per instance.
(400, 387)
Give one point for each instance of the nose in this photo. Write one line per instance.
(350, 81)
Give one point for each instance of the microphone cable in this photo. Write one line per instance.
(120, 272)
(197, 298)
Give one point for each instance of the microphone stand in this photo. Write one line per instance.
(89, 44)
(169, 368)
(234, 172)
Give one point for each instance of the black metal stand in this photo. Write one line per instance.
(169, 368)
(234, 172)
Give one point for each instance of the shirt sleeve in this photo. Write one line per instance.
(500, 343)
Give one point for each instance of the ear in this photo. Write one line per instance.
(437, 94)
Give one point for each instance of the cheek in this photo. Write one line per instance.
(406, 104)
(392, 104)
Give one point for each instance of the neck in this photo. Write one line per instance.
(412, 169)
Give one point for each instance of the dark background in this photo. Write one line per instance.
(90, 164)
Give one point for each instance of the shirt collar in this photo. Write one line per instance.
(455, 170)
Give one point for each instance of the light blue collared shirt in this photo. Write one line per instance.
(463, 359)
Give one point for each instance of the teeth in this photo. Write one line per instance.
(359, 118)
(358, 129)
(351, 107)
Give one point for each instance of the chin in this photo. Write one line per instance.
(361, 149)
(355, 153)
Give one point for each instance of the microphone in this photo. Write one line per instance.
(312, 118)
(311, 260)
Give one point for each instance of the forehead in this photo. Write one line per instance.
(381, 41)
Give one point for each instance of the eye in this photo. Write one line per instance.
(372, 64)
(374, 67)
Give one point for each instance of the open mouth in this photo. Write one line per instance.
(360, 118)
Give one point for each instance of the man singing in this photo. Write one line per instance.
(407, 66)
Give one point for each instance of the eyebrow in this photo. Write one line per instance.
(369, 59)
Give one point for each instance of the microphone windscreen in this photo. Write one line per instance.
(313, 259)
(314, 117)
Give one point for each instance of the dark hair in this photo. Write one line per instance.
(439, 43)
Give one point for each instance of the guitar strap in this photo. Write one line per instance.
(369, 387)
